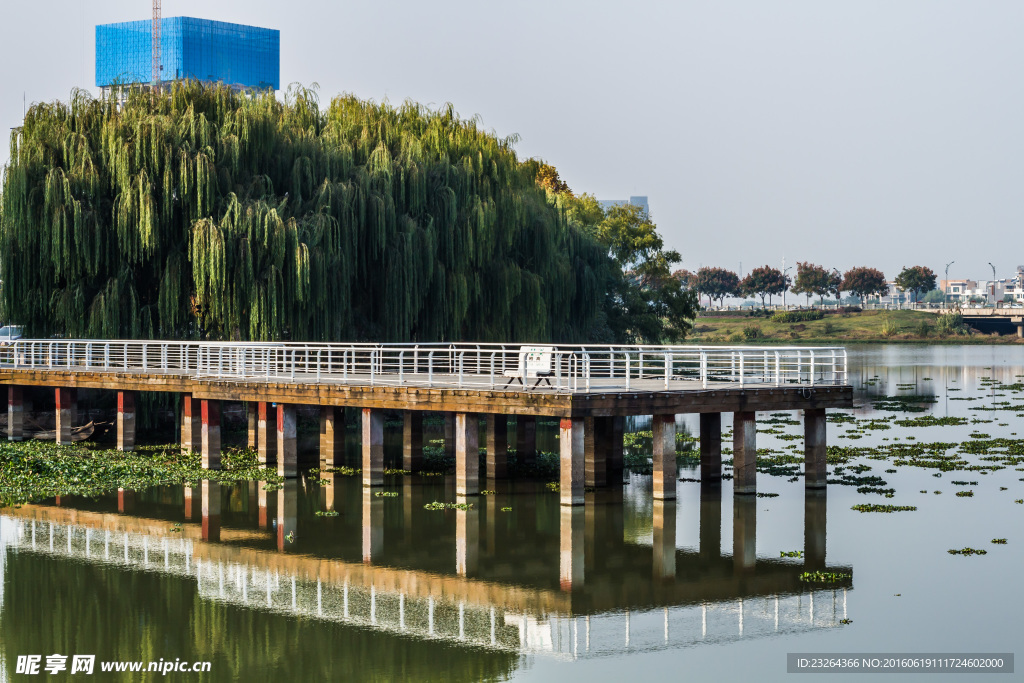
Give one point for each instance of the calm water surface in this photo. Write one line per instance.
(257, 583)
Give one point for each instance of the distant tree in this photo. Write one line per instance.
(548, 178)
(864, 282)
(934, 297)
(813, 279)
(915, 280)
(687, 278)
(764, 282)
(717, 283)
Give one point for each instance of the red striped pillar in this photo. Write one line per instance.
(571, 461)
(15, 414)
(191, 424)
(266, 433)
(211, 435)
(664, 428)
(126, 420)
(373, 447)
(67, 412)
(211, 506)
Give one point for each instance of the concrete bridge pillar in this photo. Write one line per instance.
(710, 447)
(287, 514)
(571, 447)
(211, 510)
(373, 526)
(744, 532)
(497, 446)
(664, 428)
(467, 539)
(815, 467)
(191, 424)
(211, 434)
(126, 420)
(815, 510)
(252, 424)
(266, 433)
(664, 539)
(467, 454)
(15, 414)
(373, 447)
(572, 551)
(67, 413)
(710, 521)
(595, 452)
(526, 440)
(744, 452)
(327, 490)
(412, 440)
(331, 439)
(287, 449)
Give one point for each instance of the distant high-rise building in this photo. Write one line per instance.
(635, 201)
(243, 57)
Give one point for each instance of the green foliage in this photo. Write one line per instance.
(951, 323)
(752, 332)
(205, 213)
(812, 279)
(884, 508)
(864, 282)
(716, 283)
(764, 281)
(915, 280)
(935, 296)
(796, 316)
(889, 328)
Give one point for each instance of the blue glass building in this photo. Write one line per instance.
(210, 51)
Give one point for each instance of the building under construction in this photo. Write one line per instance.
(133, 53)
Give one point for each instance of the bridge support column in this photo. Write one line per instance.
(287, 450)
(497, 446)
(67, 413)
(373, 447)
(287, 513)
(815, 509)
(467, 539)
(373, 526)
(15, 414)
(744, 532)
(191, 424)
(571, 447)
(252, 424)
(211, 434)
(126, 420)
(664, 539)
(616, 465)
(815, 466)
(330, 439)
(664, 427)
(211, 510)
(526, 440)
(744, 452)
(595, 453)
(710, 447)
(266, 433)
(572, 550)
(467, 454)
(412, 440)
(710, 547)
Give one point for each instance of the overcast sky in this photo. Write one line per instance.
(882, 133)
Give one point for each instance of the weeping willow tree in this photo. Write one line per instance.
(204, 213)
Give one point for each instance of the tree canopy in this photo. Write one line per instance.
(813, 279)
(916, 279)
(199, 212)
(863, 282)
(764, 281)
(716, 283)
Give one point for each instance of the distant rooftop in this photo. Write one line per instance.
(211, 51)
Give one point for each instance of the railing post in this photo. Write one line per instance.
(778, 369)
(742, 355)
(627, 369)
(704, 369)
(811, 376)
(430, 369)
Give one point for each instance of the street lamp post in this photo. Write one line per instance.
(947, 283)
(995, 304)
(785, 283)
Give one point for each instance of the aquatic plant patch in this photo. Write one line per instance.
(864, 507)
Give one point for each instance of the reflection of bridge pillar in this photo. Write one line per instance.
(467, 454)
(266, 433)
(526, 440)
(497, 446)
(571, 461)
(710, 521)
(329, 435)
(287, 512)
(593, 524)
(211, 434)
(449, 434)
(126, 420)
(261, 497)
(211, 510)
(744, 452)
(287, 449)
(815, 508)
(412, 440)
(252, 423)
(492, 523)
(710, 447)
(188, 503)
(467, 539)
(67, 413)
(815, 470)
(664, 428)
(616, 467)
(407, 508)
(373, 447)
(595, 453)
(571, 547)
(15, 414)
(744, 532)
(191, 424)
(664, 539)
(327, 485)
(125, 501)
(373, 526)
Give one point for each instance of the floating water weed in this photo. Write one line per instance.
(394, 470)
(967, 551)
(965, 494)
(883, 508)
(487, 493)
(824, 577)
(846, 621)
(386, 494)
(999, 541)
(345, 471)
(326, 513)
(506, 509)
(448, 506)
(791, 553)
(553, 486)
(767, 495)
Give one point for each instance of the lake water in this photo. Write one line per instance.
(624, 588)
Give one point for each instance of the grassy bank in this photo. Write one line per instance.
(835, 327)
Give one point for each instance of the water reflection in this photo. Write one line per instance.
(536, 578)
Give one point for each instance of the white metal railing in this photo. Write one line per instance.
(574, 368)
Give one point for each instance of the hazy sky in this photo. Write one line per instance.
(881, 133)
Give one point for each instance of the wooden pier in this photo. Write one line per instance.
(589, 389)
